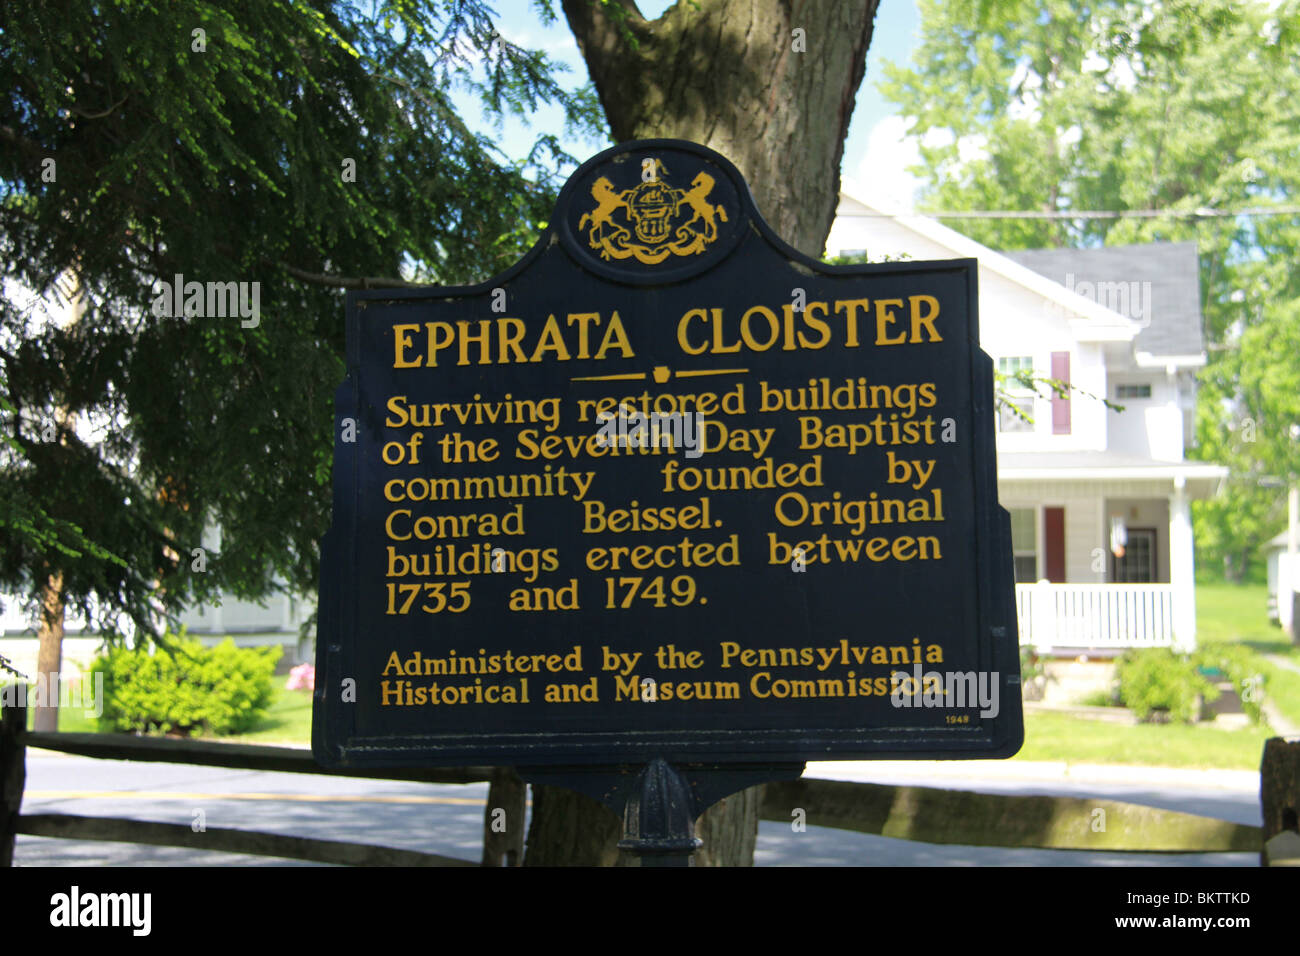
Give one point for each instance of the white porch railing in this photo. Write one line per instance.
(1096, 615)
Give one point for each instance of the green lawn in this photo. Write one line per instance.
(1283, 687)
(288, 721)
(72, 720)
(1239, 612)
(1224, 612)
(1075, 740)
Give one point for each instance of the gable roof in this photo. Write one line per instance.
(1167, 278)
(1090, 321)
(1279, 540)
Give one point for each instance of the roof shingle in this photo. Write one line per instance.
(1157, 284)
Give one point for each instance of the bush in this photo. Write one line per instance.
(1157, 679)
(1101, 698)
(1031, 666)
(1242, 667)
(193, 689)
(1033, 675)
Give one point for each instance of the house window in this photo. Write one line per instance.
(1024, 543)
(1016, 413)
(1016, 406)
(1133, 391)
(1014, 364)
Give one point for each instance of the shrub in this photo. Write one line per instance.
(191, 689)
(302, 677)
(1031, 666)
(1242, 667)
(1101, 698)
(1157, 679)
(1033, 675)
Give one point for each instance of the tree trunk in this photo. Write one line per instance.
(729, 74)
(49, 655)
(729, 830)
(770, 85)
(571, 829)
(1232, 568)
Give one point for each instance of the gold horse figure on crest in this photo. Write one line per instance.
(602, 190)
(696, 197)
(646, 221)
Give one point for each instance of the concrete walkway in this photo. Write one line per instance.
(1027, 771)
(1283, 662)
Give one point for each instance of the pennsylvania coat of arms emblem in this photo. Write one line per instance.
(652, 220)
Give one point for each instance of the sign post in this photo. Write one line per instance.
(666, 510)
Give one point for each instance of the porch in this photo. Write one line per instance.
(1113, 536)
(1095, 616)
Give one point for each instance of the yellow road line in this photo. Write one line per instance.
(295, 797)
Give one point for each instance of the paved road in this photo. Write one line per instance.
(448, 819)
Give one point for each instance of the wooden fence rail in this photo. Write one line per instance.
(967, 818)
(210, 753)
(924, 814)
(223, 840)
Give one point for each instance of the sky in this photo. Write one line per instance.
(876, 153)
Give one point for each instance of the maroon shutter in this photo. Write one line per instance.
(1061, 403)
(1054, 544)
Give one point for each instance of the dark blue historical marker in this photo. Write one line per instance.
(667, 500)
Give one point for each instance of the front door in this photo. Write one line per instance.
(1138, 566)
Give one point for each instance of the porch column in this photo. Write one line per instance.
(1182, 567)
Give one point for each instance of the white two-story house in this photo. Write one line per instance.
(1099, 499)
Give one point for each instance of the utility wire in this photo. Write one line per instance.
(1202, 213)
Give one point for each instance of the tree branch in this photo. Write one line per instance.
(616, 47)
(100, 115)
(164, 267)
(596, 15)
(28, 146)
(345, 282)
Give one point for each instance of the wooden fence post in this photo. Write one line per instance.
(1279, 790)
(503, 819)
(13, 774)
